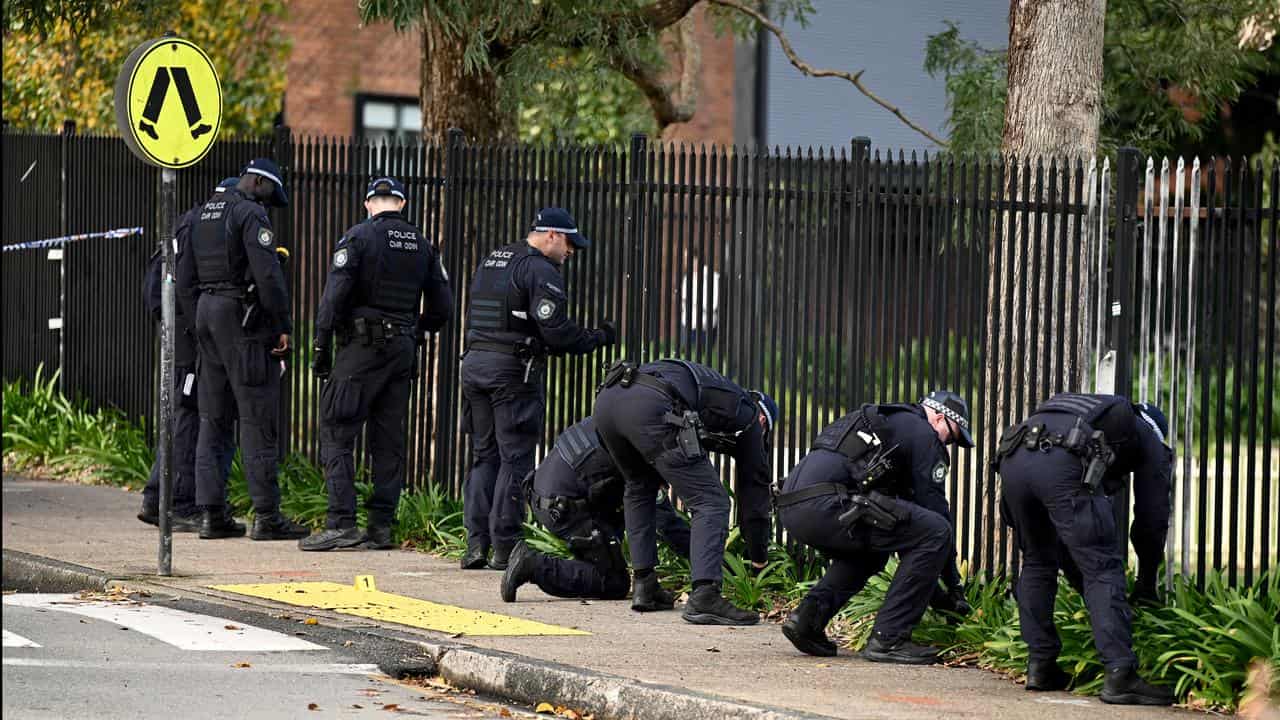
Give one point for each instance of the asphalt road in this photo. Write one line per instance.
(70, 657)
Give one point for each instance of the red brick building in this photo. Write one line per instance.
(338, 85)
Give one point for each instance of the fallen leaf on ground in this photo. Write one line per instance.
(391, 706)
(823, 665)
(545, 707)
(241, 665)
(348, 643)
(232, 627)
(312, 706)
(356, 706)
(505, 713)
(713, 649)
(311, 621)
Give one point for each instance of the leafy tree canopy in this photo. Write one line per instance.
(61, 57)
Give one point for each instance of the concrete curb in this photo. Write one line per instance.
(34, 573)
(505, 675)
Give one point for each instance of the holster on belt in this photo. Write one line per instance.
(620, 372)
(874, 509)
(689, 432)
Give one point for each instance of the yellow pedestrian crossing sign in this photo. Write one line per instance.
(168, 102)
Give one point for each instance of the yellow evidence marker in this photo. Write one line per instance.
(168, 102)
(363, 599)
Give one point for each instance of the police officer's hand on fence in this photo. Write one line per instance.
(610, 331)
(321, 361)
(282, 346)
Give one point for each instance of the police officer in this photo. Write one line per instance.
(382, 269)
(657, 421)
(242, 326)
(1057, 468)
(577, 493)
(186, 419)
(518, 314)
(872, 485)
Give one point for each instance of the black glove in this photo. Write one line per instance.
(610, 332)
(321, 361)
(959, 602)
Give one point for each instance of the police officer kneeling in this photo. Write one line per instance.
(657, 421)
(576, 493)
(517, 316)
(872, 485)
(233, 276)
(381, 270)
(1057, 467)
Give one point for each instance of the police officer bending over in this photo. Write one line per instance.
(658, 421)
(1057, 467)
(186, 418)
(381, 270)
(518, 314)
(234, 287)
(872, 485)
(577, 494)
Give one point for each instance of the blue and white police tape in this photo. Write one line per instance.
(55, 242)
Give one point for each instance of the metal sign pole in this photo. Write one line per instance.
(166, 202)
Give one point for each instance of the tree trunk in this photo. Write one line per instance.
(452, 97)
(1053, 112)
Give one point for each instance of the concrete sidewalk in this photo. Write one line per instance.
(684, 670)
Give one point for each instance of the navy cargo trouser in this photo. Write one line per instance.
(238, 375)
(921, 537)
(632, 425)
(1044, 503)
(369, 384)
(503, 412)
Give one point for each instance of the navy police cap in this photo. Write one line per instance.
(267, 168)
(385, 185)
(554, 219)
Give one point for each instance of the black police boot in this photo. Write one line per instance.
(806, 629)
(329, 539)
(1144, 593)
(149, 514)
(476, 556)
(1124, 687)
(648, 595)
(218, 523)
(903, 652)
(501, 556)
(185, 523)
(520, 567)
(706, 606)
(1046, 676)
(277, 527)
(378, 537)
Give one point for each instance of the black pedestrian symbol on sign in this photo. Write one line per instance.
(155, 101)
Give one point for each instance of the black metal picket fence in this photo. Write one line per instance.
(827, 278)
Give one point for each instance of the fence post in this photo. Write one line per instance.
(855, 208)
(1125, 301)
(64, 141)
(282, 153)
(448, 445)
(635, 331)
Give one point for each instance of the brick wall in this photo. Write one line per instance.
(713, 120)
(334, 58)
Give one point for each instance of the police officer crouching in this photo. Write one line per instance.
(382, 268)
(518, 315)
(242, 323)
(576, 493)
(657, 421)
(872, 485)
(1057, 468)
(186, 418)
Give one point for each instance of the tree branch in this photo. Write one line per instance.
(671, 103)
(807, 69)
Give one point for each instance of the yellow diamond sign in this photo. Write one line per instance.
(168, 102)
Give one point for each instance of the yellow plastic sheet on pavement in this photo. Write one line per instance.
(362, 601)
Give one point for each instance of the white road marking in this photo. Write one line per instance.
(181, 629)
(290, 668)
(15, 640)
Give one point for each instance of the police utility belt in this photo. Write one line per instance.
(372, 331)
(560, 505)
(1083, 441)
(527, 349)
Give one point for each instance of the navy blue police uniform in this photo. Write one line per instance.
(576, 493)
(1057, 469)
(233, 285)
(186, 418)
(657, 421)
(516, 317)
(888, 463)
(382, 272)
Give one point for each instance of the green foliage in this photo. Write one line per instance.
(591, 106)
(61, 58)
(1157, 57)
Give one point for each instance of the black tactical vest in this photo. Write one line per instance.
(722, 403)
(580, 448)
(1087, 407)
(395, 263)
(855, 435)
(494, 297)
(220, 260)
